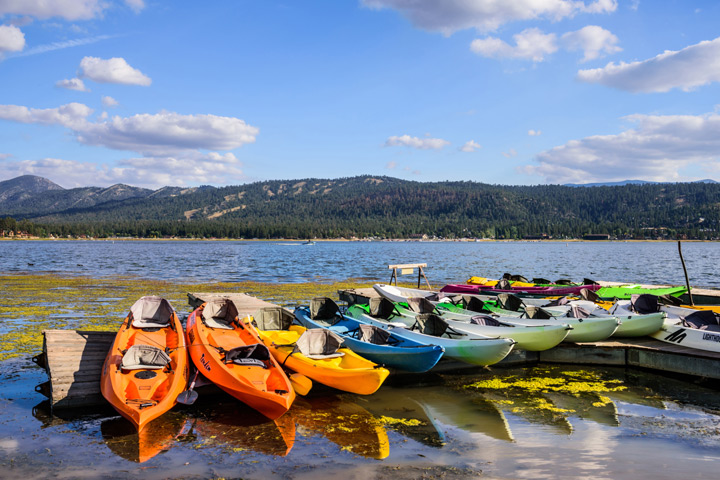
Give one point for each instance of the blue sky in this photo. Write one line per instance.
(152, 93)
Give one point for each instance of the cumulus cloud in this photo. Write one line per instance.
(510, 153)
(12, 39)
(109, 102)
(470, 146)
(534, 133)
(72, 84)
(449, 16)
(192, 168)
(135, 5)
(530, 44)
(656, 150)
(112, 70)
(66, 9)
(165, 133)
(686, 69)
(415, 142)
(594, 41)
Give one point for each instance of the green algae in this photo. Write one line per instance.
(37, 302)
(407, 422)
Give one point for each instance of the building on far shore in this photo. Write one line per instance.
(596, 236)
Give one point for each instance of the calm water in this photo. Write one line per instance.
(413, 427)
(634, 262)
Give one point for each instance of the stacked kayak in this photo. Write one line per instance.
(533, 338)
(535, 291)
(372, 342)
(230, 353)
(147, 366)
(429, 328)
(317, 355)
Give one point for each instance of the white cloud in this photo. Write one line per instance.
(449, 16)
(61, 45)
(72, 84)
(4, 156)
(530, 44)
(165, 133)
(391, 165)
(12, 39)
(656, 150)
(510, 153)
(415, 142)
(135, 5)
(67, 9)
(113, 70)
(109, 102)
(534, 133)
(594, 41)
(193, 168)
(686, 69)
(470, 146)
(72, 115)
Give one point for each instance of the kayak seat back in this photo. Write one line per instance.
(430, 324)
(273, 318)
(220, 313)
(373, 334)
(536, 313)
(144, 357)
(421, 305)
(508, 301)
(644, 303)
(319, 343)
(381, 307)
(703, 320)
(325, 309)
(473, 304)
(248, 355)
(486, 320)
(151, 312)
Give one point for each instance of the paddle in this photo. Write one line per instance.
(301, 384)
(189, 396)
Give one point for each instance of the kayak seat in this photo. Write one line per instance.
(144, 357)
(319, 343)
(151, 312)
(421, 305)
(248, 355)
(703, 320)
(644, 303)
(486, 320)
(220, 313)
(536, 313)
(273, 318)
(373, 334)
(508, 301)
(326, 310)
(382, 308)
(430, 324)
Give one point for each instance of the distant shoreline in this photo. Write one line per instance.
(328, 240)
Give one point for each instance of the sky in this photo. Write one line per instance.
(513, 92)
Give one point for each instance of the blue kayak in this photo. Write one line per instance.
(376, 344)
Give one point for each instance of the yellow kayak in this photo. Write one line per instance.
(348, 372)
(486, 282)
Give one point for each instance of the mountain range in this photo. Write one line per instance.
(366, 206)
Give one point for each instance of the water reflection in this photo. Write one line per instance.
(157, 437)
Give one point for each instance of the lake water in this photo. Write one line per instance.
(547, 421)
(448, 262)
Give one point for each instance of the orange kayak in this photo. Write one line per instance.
(147, 366)
(230, 354)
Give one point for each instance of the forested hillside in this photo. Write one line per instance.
(380, 207)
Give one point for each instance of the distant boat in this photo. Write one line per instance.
(309, 242)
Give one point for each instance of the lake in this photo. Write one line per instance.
(448, 262)
(544, 421)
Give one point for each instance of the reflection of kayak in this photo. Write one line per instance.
(250, 430)
(147, 365)
(589, 406)
(230, 354)
(158, 436)
(344, 423)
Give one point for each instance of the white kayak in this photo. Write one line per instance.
(680, 329)
(462, 346)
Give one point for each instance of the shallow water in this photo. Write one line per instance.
(545, 422)
(448, 262)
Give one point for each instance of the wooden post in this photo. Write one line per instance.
(687, 280)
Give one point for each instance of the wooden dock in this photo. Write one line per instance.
(73, 359)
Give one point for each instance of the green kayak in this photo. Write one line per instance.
(623, 292)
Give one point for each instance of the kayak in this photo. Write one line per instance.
(463, 346)
(534, 338)
(699, 329)
(147, 366)
(624, 292)
(347, 371)
(374, 343)
(546, 291)
(231, 355)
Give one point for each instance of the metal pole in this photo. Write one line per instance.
(687, 281)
